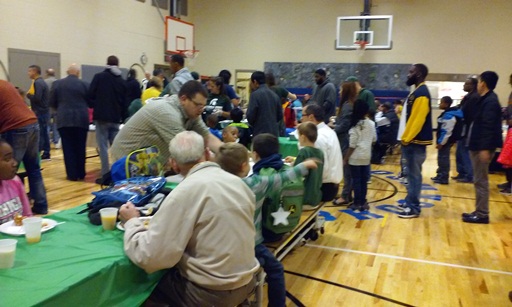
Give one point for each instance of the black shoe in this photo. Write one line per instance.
(465, 214)
(40, 211)
(440, 181)
(464, 180)
(46, 157)
(353, 207)
(504, 185)
(364, 207)
(475, 219)
(506, 191)
(435, 178)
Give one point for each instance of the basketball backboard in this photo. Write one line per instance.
(179, 35)
(375, 31)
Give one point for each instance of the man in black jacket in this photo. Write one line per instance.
(324, 94)
(464, 168)
(265, 111)
(484, 137)
(108, 99)
(38, 94)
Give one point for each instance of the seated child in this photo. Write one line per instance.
(234, 158)
(244, 131)
(313, 181)
(211, 121)
(13, 198)
(230, 134)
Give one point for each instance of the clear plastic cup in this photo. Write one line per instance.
(32, 226)
(108, 218)
(7, 253)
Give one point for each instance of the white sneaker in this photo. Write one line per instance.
(58, 145)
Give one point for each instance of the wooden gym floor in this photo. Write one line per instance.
(378, 259)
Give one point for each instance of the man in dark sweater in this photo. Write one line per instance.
(108, 99)
(484, 136)
(324, 94)
(265, 111)
(38, 94)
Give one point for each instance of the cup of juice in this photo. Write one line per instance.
(108, 218)
(32, 226)
(7, 252)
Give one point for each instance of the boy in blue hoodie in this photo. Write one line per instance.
(449, 125)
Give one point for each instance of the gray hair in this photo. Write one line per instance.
(187, 147)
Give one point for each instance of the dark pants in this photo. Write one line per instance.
(73, 146)
(276, 290)
(329, 191)
(25, 145)
(44, 134)
(174, 290)
(443, 162)
(464, 168)
(360, 183)
(346, 192)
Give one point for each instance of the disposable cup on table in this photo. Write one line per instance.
(108, 218)
(7, 253)
(32, 226)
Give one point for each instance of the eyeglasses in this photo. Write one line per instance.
(198, 105)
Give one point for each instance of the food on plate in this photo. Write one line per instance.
(18, 219)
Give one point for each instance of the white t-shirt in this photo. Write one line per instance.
(327, 141)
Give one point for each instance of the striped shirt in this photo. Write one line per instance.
(155, 124)
(262, 186)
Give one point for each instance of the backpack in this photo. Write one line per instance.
(138, 190)
(140, 162)
(290, 198)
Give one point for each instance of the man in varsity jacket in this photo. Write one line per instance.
(417, 135)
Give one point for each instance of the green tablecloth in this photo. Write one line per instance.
(75, 263)
(288, 147)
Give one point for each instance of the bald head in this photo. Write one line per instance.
(50, 72)
(74, 70)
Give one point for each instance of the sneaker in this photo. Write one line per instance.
(435, 178)
(504, 185)
(403, 180)
(364, 207)
(506, 191)
(402, 206)
(476, 219)
(353, 207)
(340, 202)
(46, 158)
(58, 145)
(408, 214)
(309, 207)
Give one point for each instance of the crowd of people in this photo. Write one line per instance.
(203, 134)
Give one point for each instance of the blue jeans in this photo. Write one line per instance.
(44, 136)
(25, 145)
(55, 132)
(464, 168)
(443, 162)
(414, 155)
(105, 134)
(360, 175)
(276, 290)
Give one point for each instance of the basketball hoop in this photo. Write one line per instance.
(191, 55)
(361, 46)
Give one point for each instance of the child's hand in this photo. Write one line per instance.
(289, 159)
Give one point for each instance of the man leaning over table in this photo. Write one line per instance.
(203, 232)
